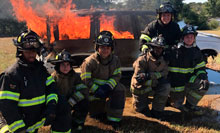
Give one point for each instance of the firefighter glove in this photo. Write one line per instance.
(72, 101)
(142, 77)
(103, 91)
(204, 85)
(50, 114)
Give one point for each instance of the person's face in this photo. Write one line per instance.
(166, 18)
(158, 50)
(29, 55)
(189, 39)
(65, 67)
(104, 51)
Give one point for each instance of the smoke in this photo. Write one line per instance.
(5, 9)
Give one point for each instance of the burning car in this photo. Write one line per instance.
(125, 26)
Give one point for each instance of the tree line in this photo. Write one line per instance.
(198, 14)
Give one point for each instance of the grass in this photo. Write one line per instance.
(132, 121)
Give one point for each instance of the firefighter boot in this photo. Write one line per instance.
(189, 108)
(158, 115)
(146, 112)
(115, 125)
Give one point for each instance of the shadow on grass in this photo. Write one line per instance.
(208, 120)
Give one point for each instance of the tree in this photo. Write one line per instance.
(213, 8)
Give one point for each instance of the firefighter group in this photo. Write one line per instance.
(170, 65)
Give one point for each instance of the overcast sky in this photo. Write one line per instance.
(188, 1)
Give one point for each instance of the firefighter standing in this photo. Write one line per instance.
(70, 85)
(28, 98)
(101, 73)
(150, 73)
(164, 25)
(187, 73)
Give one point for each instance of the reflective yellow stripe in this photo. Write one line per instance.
(202, 64)
(9, 95)
(16, 125)
(80, 86)
(31, 102)
(148, 83)
(52, 96)
(4, 129)
(36, 125)
(140, 92)
(113, 119)
(62, 132)
(178, 89)
(49, 80)
(117, 71)
(86, 75)
(79, 96)
(100, 81)
(145, 37)
(112, 82)
(192, 79)
(195, 95)
(144, 47)
(94, 88)
(181, 70)
(200, 72)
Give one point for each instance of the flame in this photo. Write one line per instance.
(58, 15)
(107, 23)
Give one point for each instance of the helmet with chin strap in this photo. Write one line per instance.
(105, 38)
(28, 40)
(165, 7)
(189, 29)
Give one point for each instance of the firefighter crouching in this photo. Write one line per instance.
(101, 73)
(28, 97)
(187, 73)
(150, 74)
(164, 24)
(70, 85)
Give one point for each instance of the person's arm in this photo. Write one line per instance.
(79, 92)
(9, 99)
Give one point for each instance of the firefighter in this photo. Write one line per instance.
(150, 74)
(28, 97)
(101, 73)
(164, 24)
(187, 73)
(70, 85)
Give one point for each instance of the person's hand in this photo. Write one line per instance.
(142, 77)
(72, 101)
(103, 91)
(204, 85)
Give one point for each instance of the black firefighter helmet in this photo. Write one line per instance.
(189, 29)
(165, 7)
(28, 40)
(63, 56)
(105, 38)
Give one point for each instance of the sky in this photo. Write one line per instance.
(188, 1)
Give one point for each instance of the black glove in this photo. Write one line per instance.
(103, 91)
(50, 114)
(204, 85)
(142, 77)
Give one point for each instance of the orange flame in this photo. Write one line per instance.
(58, 15)
(107, 23)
